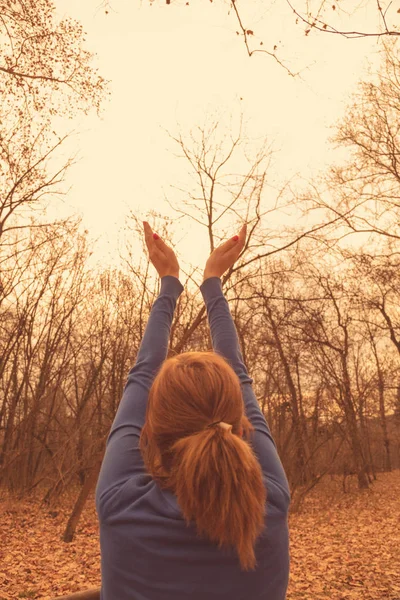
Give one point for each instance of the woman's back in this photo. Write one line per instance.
(155, 556)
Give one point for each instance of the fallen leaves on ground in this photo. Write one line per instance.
(343, 546)
(346, 546)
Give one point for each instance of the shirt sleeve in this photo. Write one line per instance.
(226, 343)
(122, 458)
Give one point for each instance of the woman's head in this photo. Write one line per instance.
(213, 471)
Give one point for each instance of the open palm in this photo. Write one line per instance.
(161, 256)
(225, 255)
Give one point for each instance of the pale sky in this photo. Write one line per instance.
(176, 64)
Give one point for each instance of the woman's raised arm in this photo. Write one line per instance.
(223, 330)
(226, 343)
(122, 458)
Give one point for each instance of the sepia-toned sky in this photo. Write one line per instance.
(176, 64)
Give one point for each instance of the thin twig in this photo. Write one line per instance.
(251, 52)
(325, 28)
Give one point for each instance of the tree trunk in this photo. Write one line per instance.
(80, 503)
(386, 441)
(301, 450)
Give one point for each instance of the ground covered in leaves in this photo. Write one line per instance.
(342, 545)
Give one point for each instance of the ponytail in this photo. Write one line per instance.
(218, 483)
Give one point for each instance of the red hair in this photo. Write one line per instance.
(213, 472)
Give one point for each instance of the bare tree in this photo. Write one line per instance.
(231, 182)
(44, 65)
(26, 176)
(375, 336)
(43, 317)
(318, 17)
(364, 190)
(329, 328)
(103, 351)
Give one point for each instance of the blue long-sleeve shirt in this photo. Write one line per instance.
(147, 550)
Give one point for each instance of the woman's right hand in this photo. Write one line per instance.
(225, 255)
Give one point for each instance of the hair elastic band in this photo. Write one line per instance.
(222, 424)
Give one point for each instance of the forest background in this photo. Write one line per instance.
(199, 116)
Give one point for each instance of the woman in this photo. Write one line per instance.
(192, 497)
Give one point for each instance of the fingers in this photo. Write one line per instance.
(242, 236)
(236, 241)
(153, 245)
(148, 235)
(161, 256)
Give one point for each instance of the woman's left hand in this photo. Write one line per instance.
(161, 255)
